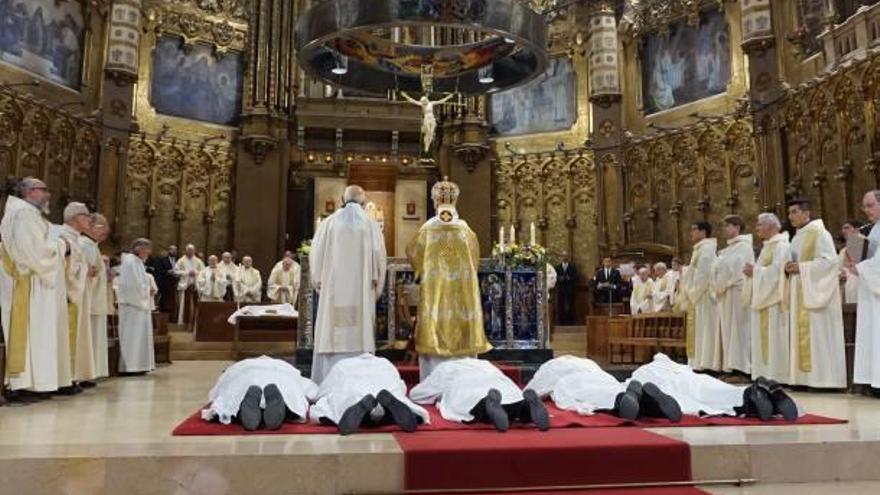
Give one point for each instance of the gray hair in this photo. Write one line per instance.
(75, 209)
(770, 218)
(660, 266)
(354, 193)
(139, 244)
(28, 183)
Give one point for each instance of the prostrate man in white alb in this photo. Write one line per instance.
(770, 337)
(249, 284)
(347, 263)
(96, 288)
(664, 287)
(212, 282)
(697, 298)
(77, 220)
(641, 299)
(362, 391)
(283, 283)
(728, 283)
(134, 298)
(32, 298)
(229, 271)
(580, 385)
(260, 391)
(818, 357)
(187, 271)
(867, 362)
(469, 390)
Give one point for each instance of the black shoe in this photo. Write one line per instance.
(496, 413)
(353, 416)
(87, 384)
(69, 390)
(249, 413)
(783, 404)
(400, 412)
(656, 403)
(536, 410)
(634, 387)
(275, 410)
(758, 402)
(626, 405)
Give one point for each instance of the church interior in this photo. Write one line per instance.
(190, 185)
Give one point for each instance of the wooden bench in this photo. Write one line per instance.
(266, 328)
(161, 339)
(646, 334)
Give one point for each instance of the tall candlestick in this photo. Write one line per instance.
(512, 234)
(532, 234)
(501, 238)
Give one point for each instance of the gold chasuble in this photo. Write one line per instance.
(446, 256)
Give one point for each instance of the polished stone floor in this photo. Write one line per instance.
(105, 439)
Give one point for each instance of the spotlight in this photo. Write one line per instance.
(341, 65)
(485, 75)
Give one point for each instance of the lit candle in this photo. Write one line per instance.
(512, 234)
(532, 232)
(501, 238)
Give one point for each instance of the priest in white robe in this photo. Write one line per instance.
(229, 271)
(77, 220)
(698, 299)
(664, 288)
(867, 362)
(260, 390)
(283, 283)
(212, 282)
(187, 271)
(97, 290)
(470, 390)
(767, 283)
(136, 353)
(818, 357)
(347, 263)
(365, 390)
(33, 267)
(248, 283)
(728, 282)
(641, 299)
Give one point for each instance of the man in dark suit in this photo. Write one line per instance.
(608, 283)
(166, 281)
(566, 289)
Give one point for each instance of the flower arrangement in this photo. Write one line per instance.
(304, 249)
(520, 255)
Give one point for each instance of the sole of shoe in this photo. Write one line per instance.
(537, 410)
(784, 405)
(400, 412)
(249, 413)
(353, 416)
(496, 412)
(762, 402)
(627, 406)
(668, 406)
(275, 410)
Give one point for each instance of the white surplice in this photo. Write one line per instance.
(770, 335)
(576, 384)
(664, 288)
(136, 353)
(185, 280)
(851, 285)
(735, 315)
(816, 316)
(229, 271)
(640, 301)
(347, 264)
(77, 269)
(62, 321)
(695, 393)
(458, 384)
(25, 235)
(867, 362)
(351, 380)
(211, 284)
(704, 331)
(283, 285)
(230, 389)
(98, 304)
(248, 286)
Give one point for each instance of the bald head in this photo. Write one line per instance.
(190, 250)
(247, 261)
(354, 193)
(212, 260)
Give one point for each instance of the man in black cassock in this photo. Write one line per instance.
(163, 271)
(566, 288)
(608, 284)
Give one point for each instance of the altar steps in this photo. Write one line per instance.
(185, 348)
(569, 340)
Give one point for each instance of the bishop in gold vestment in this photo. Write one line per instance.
(446, 256)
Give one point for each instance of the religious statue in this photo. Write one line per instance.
(445, 254)
(429, 121)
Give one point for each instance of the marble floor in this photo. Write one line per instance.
(116, 439)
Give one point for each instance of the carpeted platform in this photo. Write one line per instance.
(194, 425)
(519, 458)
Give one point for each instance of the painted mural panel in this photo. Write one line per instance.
(548, 103)
(44, 37)
(687, 64)
(195, 83)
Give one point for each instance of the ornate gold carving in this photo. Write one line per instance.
(657, 15)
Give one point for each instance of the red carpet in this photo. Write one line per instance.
(410, 373)
(195, 425)
(519, 458)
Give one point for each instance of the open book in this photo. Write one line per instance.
(856, 247)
